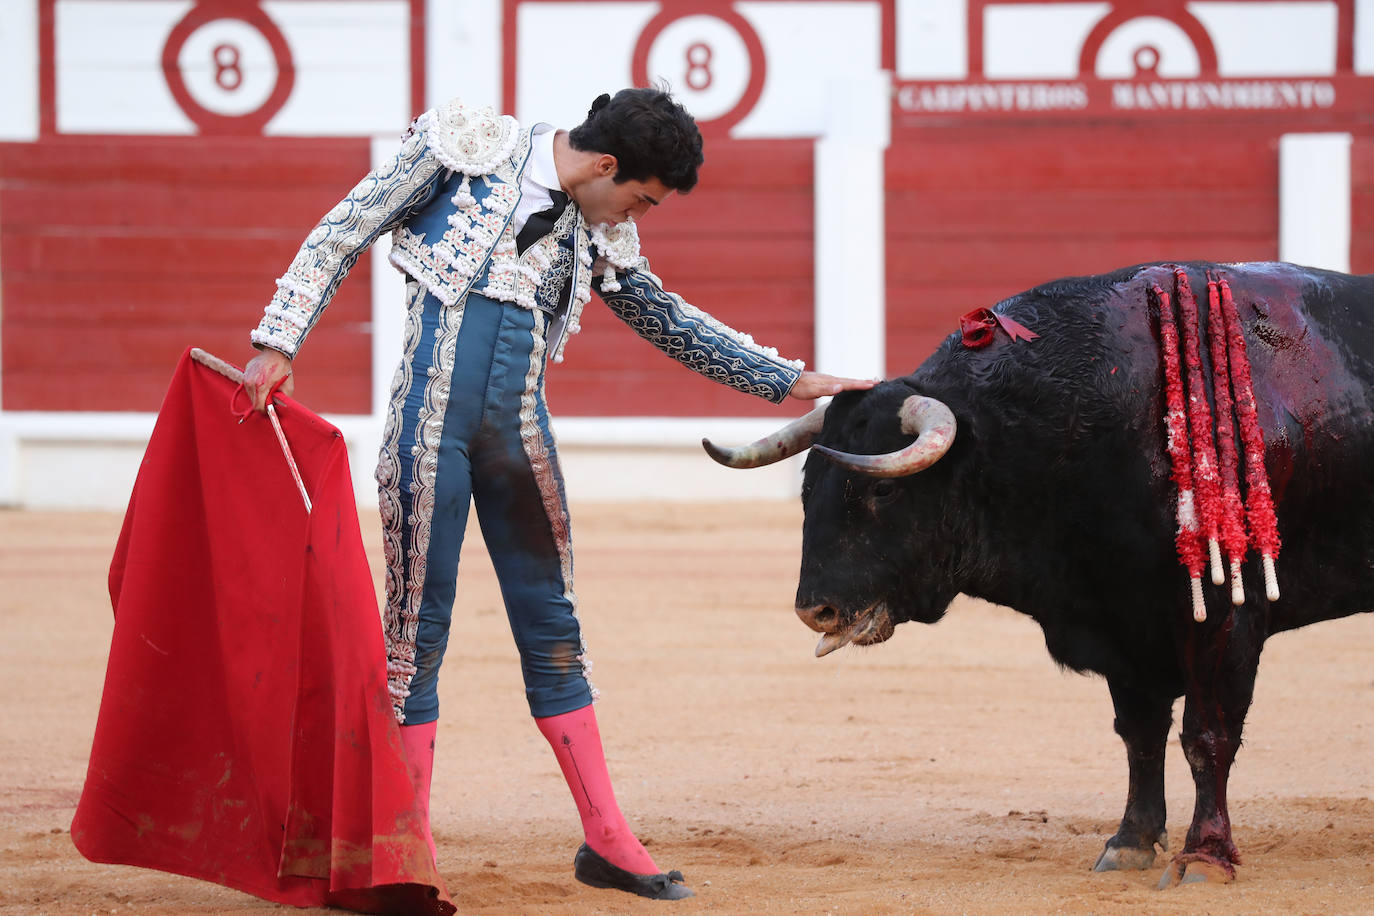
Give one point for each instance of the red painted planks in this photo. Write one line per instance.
(1081, 156)
(1362, 203)
(185, 161)
(120, 252)
(129, 249)
(259, 209)
(1030, 212)
(979, 214)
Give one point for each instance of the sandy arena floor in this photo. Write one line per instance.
(953, 770)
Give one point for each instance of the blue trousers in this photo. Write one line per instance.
(467, 426)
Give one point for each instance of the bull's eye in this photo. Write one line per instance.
(884, 490)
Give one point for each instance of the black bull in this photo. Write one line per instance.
(1055, 498)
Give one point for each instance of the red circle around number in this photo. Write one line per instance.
(210, 122)
(1179, 16)
(639, 62)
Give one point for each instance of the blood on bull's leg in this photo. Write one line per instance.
(1220, 661)
(1142, 721)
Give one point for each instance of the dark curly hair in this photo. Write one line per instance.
(648, 132)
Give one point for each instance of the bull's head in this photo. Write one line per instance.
(859, 573)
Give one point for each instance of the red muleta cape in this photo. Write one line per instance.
(245, 733)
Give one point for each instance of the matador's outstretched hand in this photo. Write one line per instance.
(812, 385)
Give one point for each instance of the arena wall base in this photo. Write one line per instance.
(90, 461)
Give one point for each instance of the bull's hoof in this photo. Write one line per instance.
(1192, 868)
(1130, 858)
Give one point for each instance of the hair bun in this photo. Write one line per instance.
(601, 102)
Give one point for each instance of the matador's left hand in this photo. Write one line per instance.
(812, 385)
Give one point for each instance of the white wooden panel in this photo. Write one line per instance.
(805, 46)
(109, 67)
(1037, 40)
(1314, 200)
(1271, 39)
(559, 86)
(19, 70)
(351, 61)
(352, 67)
(463, 54)
(808, 46)
(932, 40)
(1364, 37)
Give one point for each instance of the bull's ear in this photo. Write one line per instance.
(793, 438)
(929, 420)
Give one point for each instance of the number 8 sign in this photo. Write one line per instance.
(228, 67)
(713, 60)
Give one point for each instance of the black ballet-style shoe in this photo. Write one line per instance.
(591, 868)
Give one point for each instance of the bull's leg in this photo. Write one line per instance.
(1220, 660)
(1142, 721)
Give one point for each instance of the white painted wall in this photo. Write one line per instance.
(19, 70)
(546, 88)
(352, 71)
(932, 40)
(1009, 51)
(811, 48)
(109, 67)
(352, 64)
(463, 51)
(1271, 39)
(1314, 200)
(807, 46)
(1045, 40)
(851, 258)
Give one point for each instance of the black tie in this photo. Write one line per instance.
(541, 224)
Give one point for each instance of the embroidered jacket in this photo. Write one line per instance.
(448, 196)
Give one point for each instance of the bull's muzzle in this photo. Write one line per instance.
(830, 623)
(822, 618)
(874, 624)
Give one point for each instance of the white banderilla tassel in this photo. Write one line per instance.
(1237, 584)
(1199, 608)
(1214, 555)
(1271, 581)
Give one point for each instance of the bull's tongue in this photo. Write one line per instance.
(832, 641)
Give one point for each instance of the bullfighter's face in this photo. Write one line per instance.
(604, 200)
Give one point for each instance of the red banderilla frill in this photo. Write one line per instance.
(1232, 520)
(1214, 509)
(1264, 529)
(1176, 430)
(1205, 477)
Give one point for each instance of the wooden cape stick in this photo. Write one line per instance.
(234, 374)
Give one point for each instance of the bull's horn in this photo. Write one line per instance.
(793, 438)
(931, 422)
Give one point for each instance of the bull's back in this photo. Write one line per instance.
(1309, 341)
(1072, 425)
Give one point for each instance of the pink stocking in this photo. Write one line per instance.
(576, 742)
(418, 743)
